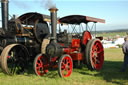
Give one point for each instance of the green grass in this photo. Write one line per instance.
(112, 34)
(109, 75)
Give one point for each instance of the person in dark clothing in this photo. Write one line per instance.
(125, 51)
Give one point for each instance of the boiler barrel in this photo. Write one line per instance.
(24, 41)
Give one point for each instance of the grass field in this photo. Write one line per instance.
(109, 75)
(112, 34)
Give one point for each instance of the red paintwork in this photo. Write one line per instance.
(75, 43)
(76, 56)
(52, 63)
(86, 36)
(8, 56)
(74, 50)
(53, 59)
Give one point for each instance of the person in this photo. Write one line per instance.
(125, 51)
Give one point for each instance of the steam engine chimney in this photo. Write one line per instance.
(4, 10)
(53, 22)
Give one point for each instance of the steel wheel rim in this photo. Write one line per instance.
(97, 55)
(14, 59)
(66, 66)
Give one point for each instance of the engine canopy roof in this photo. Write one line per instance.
(78, 19)
(31, 17)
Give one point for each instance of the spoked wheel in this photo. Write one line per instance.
(65, 66)
(14, 59)
(94, 54)
(41, 64)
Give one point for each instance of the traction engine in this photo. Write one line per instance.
(63, 50)
(21, 39)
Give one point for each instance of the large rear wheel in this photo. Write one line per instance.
(94, 54)
(65, 66)
(14, 59)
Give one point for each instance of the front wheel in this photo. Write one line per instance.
(65, 66)
(40, 65)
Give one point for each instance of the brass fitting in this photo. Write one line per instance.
(4, 1)
(53, 10)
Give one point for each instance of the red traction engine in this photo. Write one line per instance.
(63, 50)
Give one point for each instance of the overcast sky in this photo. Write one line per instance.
(115, 12)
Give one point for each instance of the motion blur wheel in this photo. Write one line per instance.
(65, 66)
(41, 65)
(94, 54)
(14, 59)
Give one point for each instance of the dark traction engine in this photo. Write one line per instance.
(21, 39)
(65, 49)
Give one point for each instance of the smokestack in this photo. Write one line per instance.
(53, 22)
(4, 10)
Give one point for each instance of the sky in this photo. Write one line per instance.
(113, 11)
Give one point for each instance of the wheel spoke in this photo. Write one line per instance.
(97, 44)
(38, 68)
(62, 71)
(94, 48)
(63, 67)
(67, 62)
(94, 61)
(97, 61)
(13, 69)
(100, 51)
(11, 64)
(63, 63)
(66, 70)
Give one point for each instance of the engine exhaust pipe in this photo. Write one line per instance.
(4, 10)
(53, 14)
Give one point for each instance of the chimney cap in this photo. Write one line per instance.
(54, 9)
(4, 1)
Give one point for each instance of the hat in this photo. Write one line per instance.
(126, 38)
